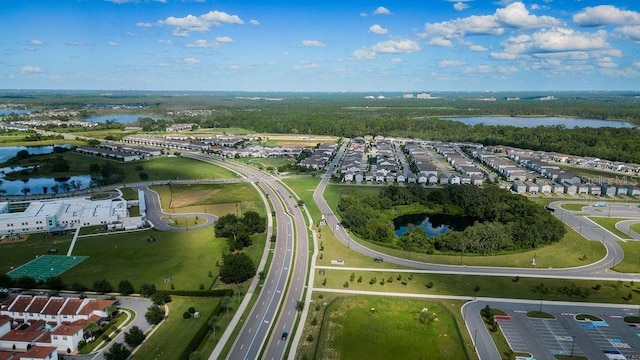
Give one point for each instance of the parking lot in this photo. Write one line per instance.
(609, 339)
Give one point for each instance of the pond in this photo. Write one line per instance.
(35, 185)
(7, 152)
(433, 224)
(121, 118)
(569, 123)
(16, 111)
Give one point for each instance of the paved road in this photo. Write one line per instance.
(275, 308)
(155, 213)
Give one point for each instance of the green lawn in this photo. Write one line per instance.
(333, 193)
(172, 337)
(304, 187)
(14, 254)
(157, 168)
(610, 224)
(631, 261)
(573, 206)
(386, 328)
(186, 257)
(488, 286)
(636, 227)
(264, 163)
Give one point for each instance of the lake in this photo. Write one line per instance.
(35, 185)
(9, 111)
(7, 152)
(569, 123)
(433, 224)
(121, 118)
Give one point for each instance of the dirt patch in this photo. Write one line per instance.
(10, 239)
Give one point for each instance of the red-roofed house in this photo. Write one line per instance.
(95, 307)
(70, 309)
(67, 337)
(6, 355)
(21, 339)
(35, 308)
(39, 353)
(5, 324)
(17, 308)
(51, 310)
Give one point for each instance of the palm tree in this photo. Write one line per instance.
(65, 187)
(91, 327)
(45, 190)
(25, 190)
(213, 322)
(55, 188)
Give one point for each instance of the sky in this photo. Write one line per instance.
(334, 46)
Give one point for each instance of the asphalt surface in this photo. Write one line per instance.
(155, 214)
(275, 309)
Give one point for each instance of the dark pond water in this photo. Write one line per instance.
(121, 118)
(433, 224)
(9, 111)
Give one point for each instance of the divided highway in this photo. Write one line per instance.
(275, 309)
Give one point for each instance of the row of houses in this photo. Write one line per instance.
(124, 153)
(319, 157)
(28, 321)
(547, 187)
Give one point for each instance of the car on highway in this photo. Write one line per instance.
(285, 335)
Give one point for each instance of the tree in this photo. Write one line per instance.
(254, 222)
(134, 336)
(161, 297)
(55, 283)
(102, 286)
(154, 314)
(143, 176)
(117, 352)
(213, 321)
(226, 303)
(25, 191)
(236, 268)
(147, 290)
(91, 328)
(125, 287)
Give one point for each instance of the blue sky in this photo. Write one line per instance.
(347, 45)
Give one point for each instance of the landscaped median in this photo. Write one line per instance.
(478, 286)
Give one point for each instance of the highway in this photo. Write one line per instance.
(275, 309)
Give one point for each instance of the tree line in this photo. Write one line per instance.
(502, 221)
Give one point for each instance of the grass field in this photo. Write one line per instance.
(265, 163)
(217, 199)
(610, 225)
(636, 227)
(186, 257)
(157, 168)
(304, 187)
(172, 337)
(386, 328)
(488, 286)
(630, 263)
(14, 254)
(573, 207)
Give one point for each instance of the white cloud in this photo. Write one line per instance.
(395, 60)
(165, 42)
(36, 42)
(459, 6)
(606, 15)
(144, 25)
(364, 54)
(448, 63)
(503, 56)
(254, 22)
(113, 43)
(440, 41)
(477, 48)
(637, 64)
(396, 46)
(312, 43)
(514, 15)
(630, 32)
(607, 62)
(381, 10)
(201, 23)
(224, 39)
(203, 44)
(305, 65)
(377, 29)
(191, 61)
(30, 69)
(556, 40)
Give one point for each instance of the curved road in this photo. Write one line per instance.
(155, 214)
(596, 270)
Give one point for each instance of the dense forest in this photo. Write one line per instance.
(350, 115)
(502, 221)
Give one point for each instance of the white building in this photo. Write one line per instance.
(64, 214)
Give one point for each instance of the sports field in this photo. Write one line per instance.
(46, 266)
